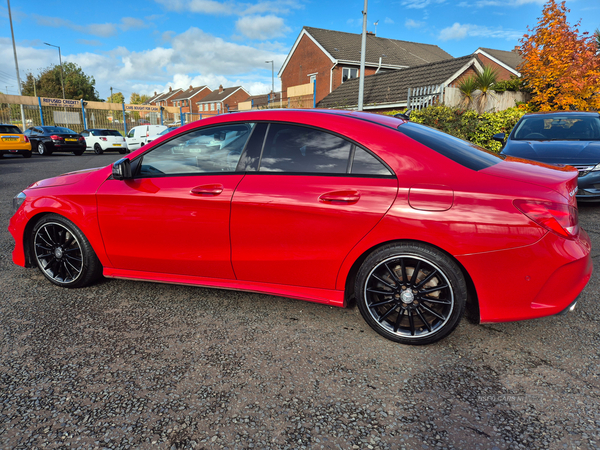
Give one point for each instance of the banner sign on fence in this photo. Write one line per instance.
(60, 102)
(143, 108)
(69, 118)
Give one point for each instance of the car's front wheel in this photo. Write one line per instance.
(42, 150)
(411, 293)
(63, 253)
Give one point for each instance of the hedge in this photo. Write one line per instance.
(467, 124)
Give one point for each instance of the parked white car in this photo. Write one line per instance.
(138, 136)
(101, 140)
(156, 136)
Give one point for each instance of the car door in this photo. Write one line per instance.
(134, 137)
(173, 216)
(87, 135)
(314, 197)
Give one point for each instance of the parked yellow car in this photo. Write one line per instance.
(12, 141)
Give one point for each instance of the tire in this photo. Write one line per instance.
(27, 155)
(78, 152)
(42, 150)
(63, 254)
(97, 149)
(122, 151)
(394, 293)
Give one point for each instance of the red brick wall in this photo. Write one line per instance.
(239, 96)
(307, 59)
(466, 74)
(503, 74)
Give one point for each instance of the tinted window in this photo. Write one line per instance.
(215, 149)
(563, 127)
(365, 163)
(462, 152)
(57, 130)
(9, 129)
(291, 148)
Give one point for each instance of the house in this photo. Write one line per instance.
(505, 63)
(222, 100)
(188, 100)
(389, 91)
(333, 57)
(271, 100)
(166, 98)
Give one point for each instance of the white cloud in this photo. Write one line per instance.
(457, 32)
(95, 29)
(231, 7)
(413, 24)
(388, 21)
(261, 27)
(419, 4)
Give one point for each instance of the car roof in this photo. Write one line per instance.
(551, 113)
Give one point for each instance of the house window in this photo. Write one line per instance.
(212, 106)
(349, 73)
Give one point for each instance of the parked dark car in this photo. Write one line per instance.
(47, 140)
(560, 138)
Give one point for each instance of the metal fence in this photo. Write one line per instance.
(79, 115)
(422, 97)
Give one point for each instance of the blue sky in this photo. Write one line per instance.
(147, 46)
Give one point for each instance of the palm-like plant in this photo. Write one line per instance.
(485, 84)
(467, 87)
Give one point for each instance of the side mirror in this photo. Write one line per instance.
(499, 137)
(121, 170)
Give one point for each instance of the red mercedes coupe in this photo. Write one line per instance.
(325, 206)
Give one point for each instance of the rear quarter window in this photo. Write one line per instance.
(462, 152)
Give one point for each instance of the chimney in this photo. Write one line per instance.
(370, 33)
(191, 87)
(170, 88)
(220, 88)
(155, 93)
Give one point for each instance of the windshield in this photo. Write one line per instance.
(58, 130)
(9, 129)
(464, 153)
(558, 127)
(168, 130)
(105, 133)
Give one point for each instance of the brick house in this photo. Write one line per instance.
(188, 100)
(222, 100)
(166, 98)
(333, 57)
(505, 63)
(389, 91)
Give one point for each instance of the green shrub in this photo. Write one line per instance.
(467, 124)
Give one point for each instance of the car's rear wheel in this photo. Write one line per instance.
(78, 152)
(122, 151)
(97, 149)
(411, 293)
(63, 253)
(27, 155)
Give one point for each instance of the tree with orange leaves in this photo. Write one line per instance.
(560, 65)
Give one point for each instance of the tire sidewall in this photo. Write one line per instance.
(431, 255)
(91, 268)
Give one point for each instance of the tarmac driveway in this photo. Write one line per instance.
(125, 364)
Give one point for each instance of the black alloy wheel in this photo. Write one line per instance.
(411, 293)
(63, 253)
(97, 149)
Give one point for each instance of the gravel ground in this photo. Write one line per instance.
(125, 364)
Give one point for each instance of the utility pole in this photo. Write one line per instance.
(12, 33)
(62, 82)
(363, 51)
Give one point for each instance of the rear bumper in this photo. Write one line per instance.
(20, 151)
(539, 280)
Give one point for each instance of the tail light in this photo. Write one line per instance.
(81, 138)
(559, 218)
(103, 139)
(56, 137)
(25, 138)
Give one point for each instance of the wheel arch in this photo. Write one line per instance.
(472, 307)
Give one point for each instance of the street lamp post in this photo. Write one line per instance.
(12, 33)
(62, 83)
(272, 76)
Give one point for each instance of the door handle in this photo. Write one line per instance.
(207, 189)
(345, 197)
